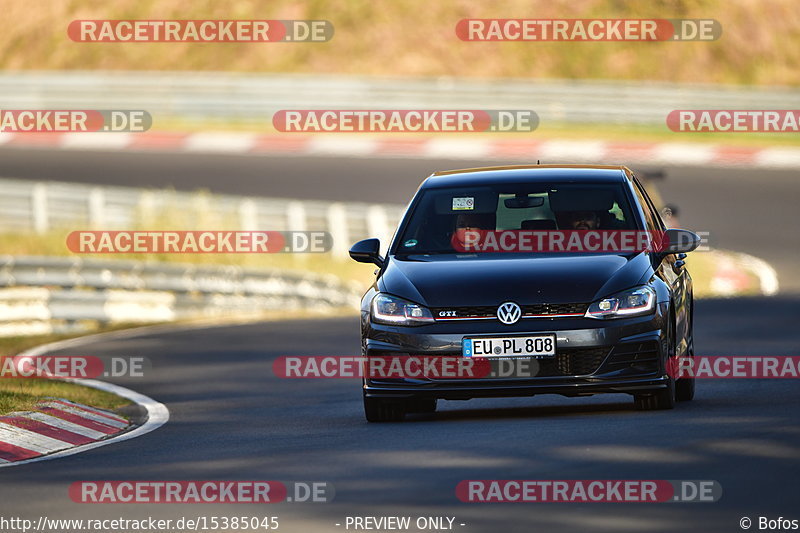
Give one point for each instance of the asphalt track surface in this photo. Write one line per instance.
(232, 419)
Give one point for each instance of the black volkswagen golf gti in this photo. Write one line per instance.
(597, 320)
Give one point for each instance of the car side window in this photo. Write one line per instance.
(654, 212)
(654, 222)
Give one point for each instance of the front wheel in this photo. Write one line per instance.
(662, 398)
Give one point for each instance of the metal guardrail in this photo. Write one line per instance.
(46, 294)
(252, 99)
(41, 206)
(51, 294)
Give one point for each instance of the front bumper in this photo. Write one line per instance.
(592, 356)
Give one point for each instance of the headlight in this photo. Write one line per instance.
(388, 309)
(633, 302)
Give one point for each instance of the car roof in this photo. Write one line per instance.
(527, 174)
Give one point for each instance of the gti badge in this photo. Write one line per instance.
(509, 313)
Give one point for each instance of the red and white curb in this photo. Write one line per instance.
(53, 426)
(465, 147)
(59, 428)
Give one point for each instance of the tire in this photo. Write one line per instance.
(379, 410)
(658, 400)
(684, 390)
(662, 398)
(422, 405)
(684, 387)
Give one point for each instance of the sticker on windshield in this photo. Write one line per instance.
(410, 243)
(466, 203)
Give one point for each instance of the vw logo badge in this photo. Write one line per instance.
(509, 313)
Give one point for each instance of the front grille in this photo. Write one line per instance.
(573, 362)
(642, 356)
(490, 311)
(554, 309)
(567, 362)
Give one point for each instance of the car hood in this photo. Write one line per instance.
(447, 282)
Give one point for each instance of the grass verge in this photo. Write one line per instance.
(759, 44)
(18, 394)
(22, 394)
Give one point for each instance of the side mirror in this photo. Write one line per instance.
(367, 251)
(678, 241)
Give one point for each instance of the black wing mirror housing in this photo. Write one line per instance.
(367, 251)
(679, 241)
(675, 241)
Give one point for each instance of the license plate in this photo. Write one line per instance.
(538, 346)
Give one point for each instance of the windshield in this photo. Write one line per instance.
(441, 216)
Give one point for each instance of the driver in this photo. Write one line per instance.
(467, 224)
(582, 220)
